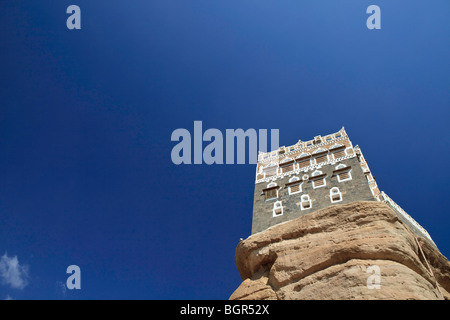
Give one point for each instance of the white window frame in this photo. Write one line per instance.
(308, 200)
(299, 158)
(335, 146)
(303, 155)
(270, 166)
(277, 205)
(333, 193)
(321, 186)
(328, 159)
(320, 151)
(304, 167)
(333, 152)
(316, 173)
(349, 176)
(286, 160)
(299, 185)
(272, 184)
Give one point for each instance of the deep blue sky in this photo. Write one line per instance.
(86, 118)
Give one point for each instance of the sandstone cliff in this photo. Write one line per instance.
(326, 255)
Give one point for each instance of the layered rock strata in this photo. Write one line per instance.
(359, 250)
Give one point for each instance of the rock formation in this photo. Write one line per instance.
(330, 254)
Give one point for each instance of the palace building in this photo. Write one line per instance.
(311, 175)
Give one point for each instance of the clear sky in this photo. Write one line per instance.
(86, 118)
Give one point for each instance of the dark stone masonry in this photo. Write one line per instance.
(354, 189)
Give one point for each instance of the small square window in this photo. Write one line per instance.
(271, 194)
(294, 189)
(344, 176)
(319, 183)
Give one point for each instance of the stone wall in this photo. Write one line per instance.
(356, 189)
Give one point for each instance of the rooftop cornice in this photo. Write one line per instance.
(304, 149)
(305, 169)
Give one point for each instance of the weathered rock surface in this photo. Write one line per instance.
(326, 255)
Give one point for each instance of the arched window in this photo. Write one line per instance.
(316, 173)
(270, 170)
(319, 151)
(286, 160)
(305, 202)
(335, 195)
(321, 155)
(344, 176)
(303, 160)
(271, 192)
(287, 165)
(343, 173)
(318, 179)
(303, 155)
(294, 185)
(338, 151)
(277, 209)
(336, 146)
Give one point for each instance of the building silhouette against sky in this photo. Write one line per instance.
(311, 175)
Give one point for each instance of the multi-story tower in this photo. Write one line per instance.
(310, 175)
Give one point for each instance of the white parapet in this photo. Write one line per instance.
(383, 197)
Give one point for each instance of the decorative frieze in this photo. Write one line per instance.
(303, 170)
